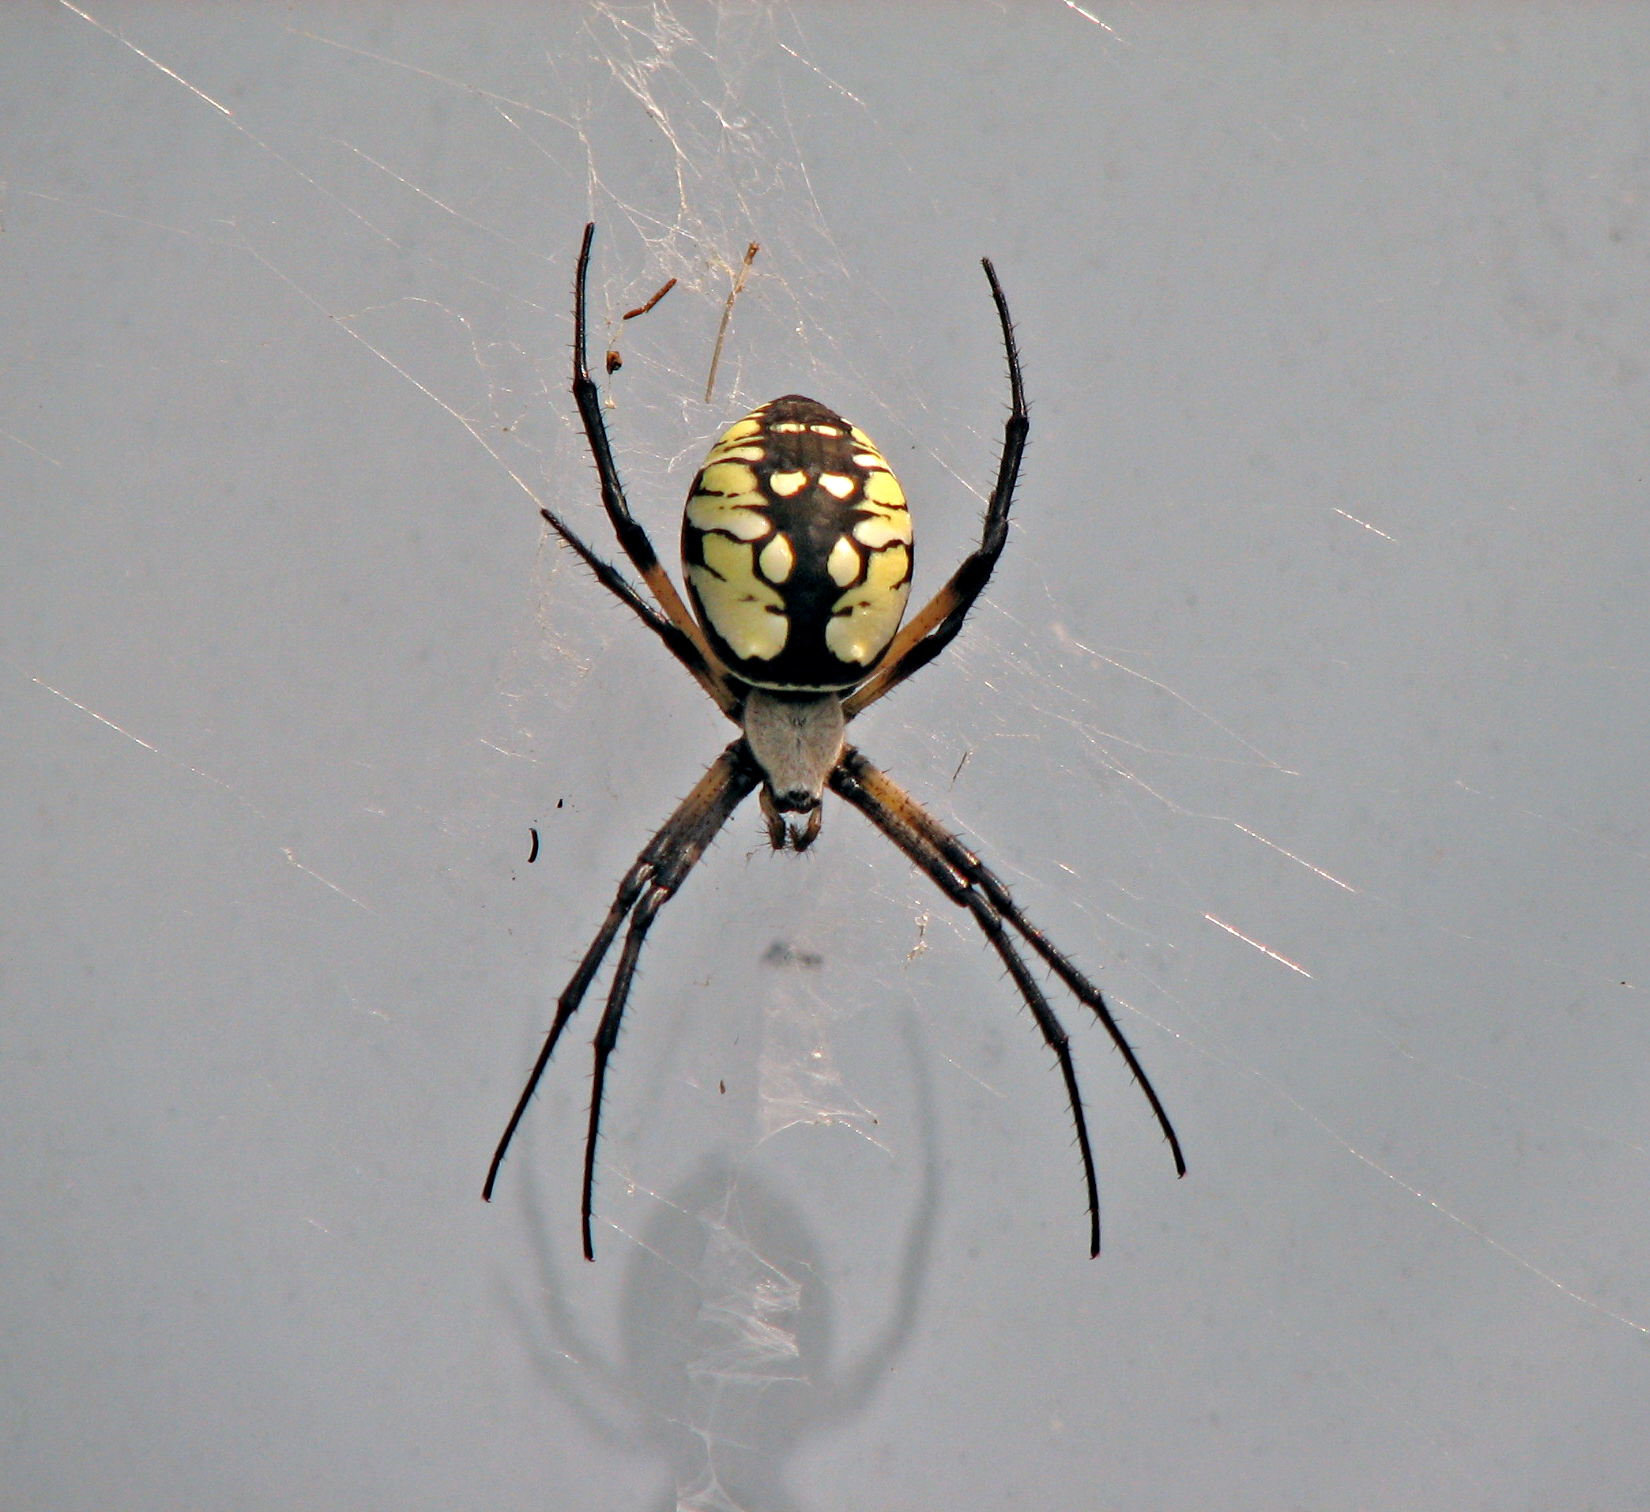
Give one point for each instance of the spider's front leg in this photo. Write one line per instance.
(963, 878)
(934, 837)
(651, 881)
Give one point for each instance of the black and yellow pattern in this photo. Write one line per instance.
(796, 542)
(797, 545)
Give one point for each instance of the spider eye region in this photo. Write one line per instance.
(796, 546)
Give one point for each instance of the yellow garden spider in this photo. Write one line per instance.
(796, 544)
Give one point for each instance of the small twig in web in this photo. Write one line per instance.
(614, 360)
(727, 315)
(664, 289)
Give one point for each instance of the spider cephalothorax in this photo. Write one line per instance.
(796, 546)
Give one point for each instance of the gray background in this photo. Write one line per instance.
(1307, 709)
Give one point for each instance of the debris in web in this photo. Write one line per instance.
(727, 315)
(614, 360)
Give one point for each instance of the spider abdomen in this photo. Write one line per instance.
(796, 544)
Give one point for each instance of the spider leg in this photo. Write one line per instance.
(963, 878)
(607, 1036)
(661, 868)
(973, 870)
(667, 630)
(935, 626)
(632, 537)
(894, 824)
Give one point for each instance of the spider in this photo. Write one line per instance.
(796, 545)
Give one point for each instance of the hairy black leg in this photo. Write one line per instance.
(625, 591)
(968, 866)
(936, 625)
(663, 864)
(966, 881)
(607, 1036)
(633, 538)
